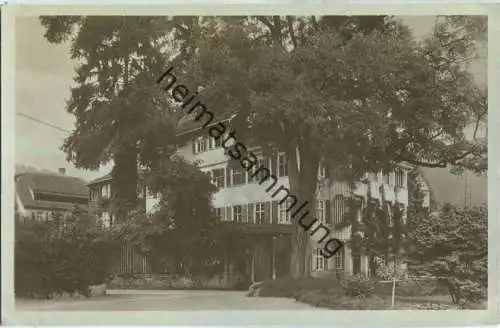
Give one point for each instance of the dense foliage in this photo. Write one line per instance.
(302, 88)
(452, 245)
(183, 234)
(60, 255)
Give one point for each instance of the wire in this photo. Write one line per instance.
(42, 122)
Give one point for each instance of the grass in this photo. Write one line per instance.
(329, 293)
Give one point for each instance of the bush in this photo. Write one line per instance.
(358, 286)
(60, 255)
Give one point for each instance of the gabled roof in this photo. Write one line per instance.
(104, 178)
(188, 123)
(49, 183)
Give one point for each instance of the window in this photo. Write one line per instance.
(238, 176)
(260, 213)
(220, 213)
(218, 178)
(321, 172)
(339, 260)
(40, 215)
(237, 213)
(262, 173)
(105, 191)
(319, 261)
(385, 178)
(282, 166)
(399, 176)
(215, 142)
(201, 145)
(372, 177)
(285, 215)
(338, 209)
(320, 211)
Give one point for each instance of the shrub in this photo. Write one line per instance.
(358, 286)
(60, 255)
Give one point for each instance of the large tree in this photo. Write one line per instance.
(357, 93)
(119, 115)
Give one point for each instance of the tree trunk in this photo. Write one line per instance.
(303, 177)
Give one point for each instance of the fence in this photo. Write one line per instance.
(131, 261)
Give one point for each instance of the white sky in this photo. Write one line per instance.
(44, 75)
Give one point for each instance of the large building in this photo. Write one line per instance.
(243, 203)
(39, 194)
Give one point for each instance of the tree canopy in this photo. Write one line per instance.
(354, 92)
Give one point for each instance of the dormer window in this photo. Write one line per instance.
(215, 143)
(201, 145)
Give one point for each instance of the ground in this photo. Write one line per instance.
(130, 300)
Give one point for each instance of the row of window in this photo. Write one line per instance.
(327, 212)
(260, 213)
(239, 176)
(103, 191)
(399, 178)
(320, 263)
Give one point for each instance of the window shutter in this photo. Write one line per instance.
(392, 179)
(244, 213)
(251, 218)
(228, 176)
(194, 145)
(267, 213)
(228, 213)
(275, 212)
(273, 165)
(328, 212)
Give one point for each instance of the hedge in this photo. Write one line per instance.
(60, 255)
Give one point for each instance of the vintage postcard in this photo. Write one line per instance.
(287, 164)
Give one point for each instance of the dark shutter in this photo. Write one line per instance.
(267, 213)
(275, 212)
(244, 213)
(328, 212)
(250, 213)
(273, 166)
(194, 145)
(228, 177)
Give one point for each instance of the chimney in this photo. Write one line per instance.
(62, 170)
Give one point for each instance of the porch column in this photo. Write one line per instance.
(273, 258)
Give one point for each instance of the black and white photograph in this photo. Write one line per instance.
(315, 162)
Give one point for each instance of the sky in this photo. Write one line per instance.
(44, 75)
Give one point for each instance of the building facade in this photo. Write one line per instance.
(100, 193)
(243, 202)
(252, 213)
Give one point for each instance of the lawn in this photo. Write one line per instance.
(329, 293)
